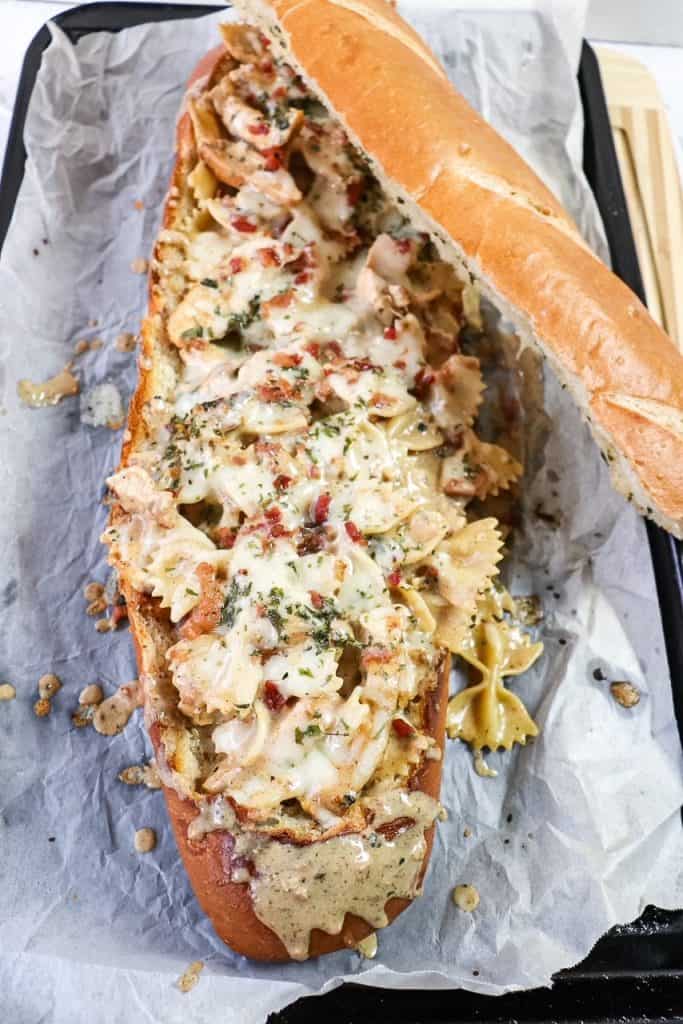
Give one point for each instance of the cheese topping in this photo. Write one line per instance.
(297, 509)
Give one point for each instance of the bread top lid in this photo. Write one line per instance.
(485, 208)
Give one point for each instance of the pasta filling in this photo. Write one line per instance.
(302, 510)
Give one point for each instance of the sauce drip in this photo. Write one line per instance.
(48, 392)
(295, 889)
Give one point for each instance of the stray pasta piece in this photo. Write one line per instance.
(139, 266)
(487, 714)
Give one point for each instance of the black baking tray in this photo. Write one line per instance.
(635, 972)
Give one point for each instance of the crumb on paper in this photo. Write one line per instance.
(187, 981)
(443, 814)
(102, 406)
(83, 345)
(93, 590)
(625, 694)
(139, 266)
(367, 947)
(145, 840)
(141, 775)
(83, 715)
(91, 694)
(466, 898)
(48, 392)
(7, 691)
(113, 714)
(103, 626)
(481, 767)
(138, 204)
(49, 685)
(528, 610)
(125, 342)
(96, 607)
(467, 833)
(42, 707)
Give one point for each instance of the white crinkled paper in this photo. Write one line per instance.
(579, 831)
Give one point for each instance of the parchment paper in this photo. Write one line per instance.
(579, 831)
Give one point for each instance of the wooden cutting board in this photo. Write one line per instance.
(651, 182)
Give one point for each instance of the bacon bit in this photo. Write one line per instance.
(393, 828)
(403, 245)
(265, 41)
(206, 615)
(280, 92)
(380, 401)
(236, 265)
(316, 599)
(287, 360)
(272, 697)
(280, 301)
(273, 514)
(362, 365)
(279, 530)
(313, 349)
(321, 509)
(311, 542)
(282, 482)
(376, 656)
(279, 391)
(400, 364)
(353, 192)
(394, 578)
(269, 257)
(390, 333)
(274, 158)
(266, 66)
(424, 378)
(335, 348)
(354, 533)
(243, 225)
(119, 614)
(402, 728)
(303, 277)
(261, 128)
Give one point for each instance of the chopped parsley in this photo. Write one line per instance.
(231, 603)
(311, 730)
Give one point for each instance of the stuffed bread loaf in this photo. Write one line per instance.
(297, 518)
